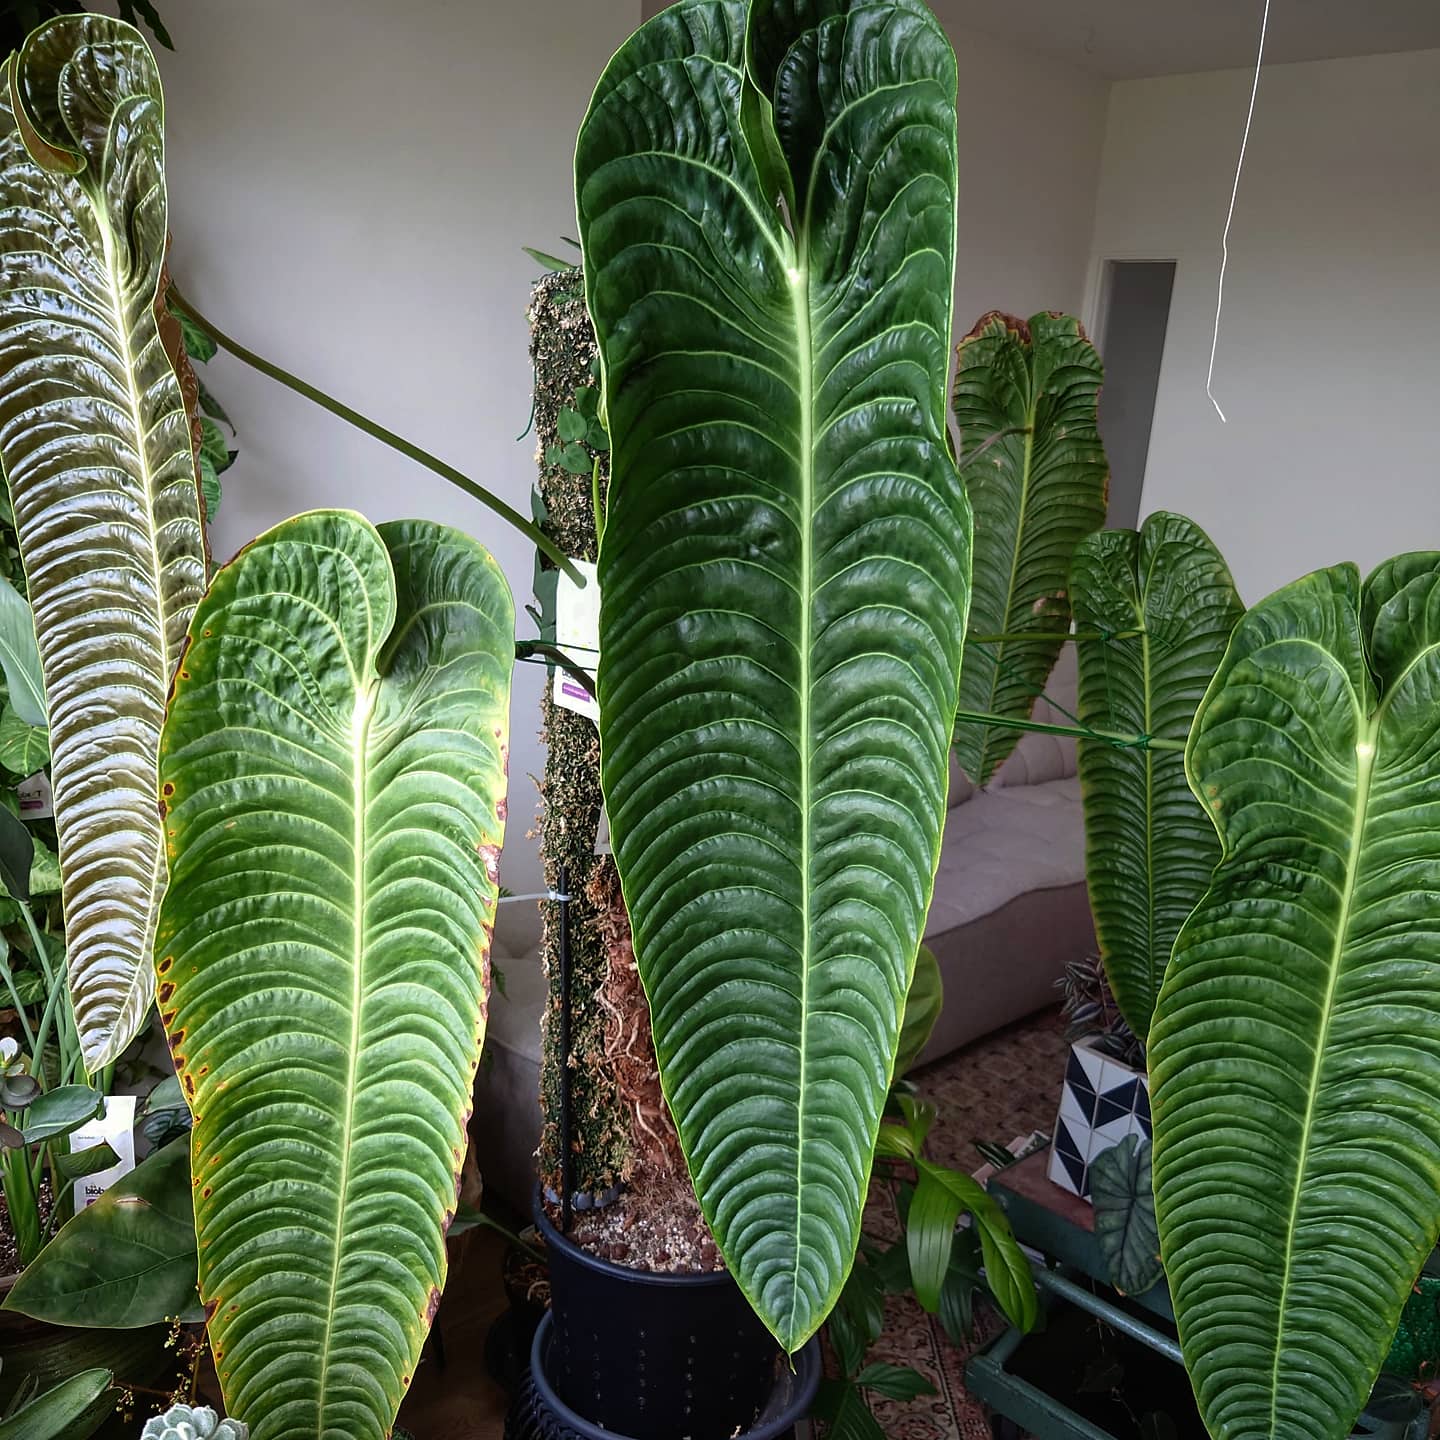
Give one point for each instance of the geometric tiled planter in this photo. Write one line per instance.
(1103, 1101)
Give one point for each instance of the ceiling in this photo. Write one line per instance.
(1127, 39)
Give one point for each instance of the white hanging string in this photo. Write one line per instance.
(1230, 216)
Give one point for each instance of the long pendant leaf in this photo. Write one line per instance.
(96, 447)
(1166, 602)
(334, 771)
(784, 578)
(1295, 1054)
(1035, 471)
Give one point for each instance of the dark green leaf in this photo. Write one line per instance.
(957, 1295)
(1293, 1051)
(210, 406)
(210, 489)
(198, 345)
(575, 458)
(922, 1009)
(895, 1382)
(929, 1234)
(77, 1164)
(1125, 1215)
(1150, 848)
(846, 1416)
(786, 532)
(1035, 471)
(58, 1112)
(1007, 1271)
(214, 445)
(571, 425)
(126, 1260)
(72, 1410)
(17, 851)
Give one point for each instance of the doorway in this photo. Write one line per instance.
(1135, 314)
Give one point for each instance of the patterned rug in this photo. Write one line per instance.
(1003, 1086)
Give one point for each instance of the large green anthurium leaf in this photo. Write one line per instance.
(784, 577)
(1166, 599)
(1295, 1053)
(20, 656)
(333, 767)
(1035, 471)
(96, 448)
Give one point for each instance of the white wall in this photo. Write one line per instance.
(1331, 336)
(1031, 134)
(351, 182)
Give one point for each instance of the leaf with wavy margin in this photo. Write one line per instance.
(96, 447)
(334, 770)
(784, 578)
(1166, 594)
(1295, 1053)
(1035, 471)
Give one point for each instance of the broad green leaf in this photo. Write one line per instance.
(333, 768)
(1035, 471)
(20, 655)
(59, 1111)
(211, 491)
(840, 1405)
(784, 580)
(17, 854)
(923, 1003)
(198, 344)
(24, 748)
(895, 1382)
(96, 446)
(929, 1235)
(126, 1260)
(71, 1410)
(77, 1164)
(1007, 1271)
(1293, 1056)
(1124, 1205)
(1167, 598)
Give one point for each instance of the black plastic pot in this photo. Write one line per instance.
(653, 1356)
(540, 1414)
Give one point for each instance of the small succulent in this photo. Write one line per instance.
(193, 1422)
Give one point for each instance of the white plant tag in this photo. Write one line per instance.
(577, 633)
(36, 800)
(116, 1127)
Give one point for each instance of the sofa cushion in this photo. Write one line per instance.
(1003, 843)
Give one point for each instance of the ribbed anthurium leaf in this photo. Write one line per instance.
(1295, 1054)
(784, 579)
(1166, 598)
(96, 448)
(1036, 474)
(333, 767)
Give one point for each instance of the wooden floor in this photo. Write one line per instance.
(458, 1400)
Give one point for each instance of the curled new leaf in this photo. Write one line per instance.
(784, 581)
(333, 768)
(1295, 1053)
(96, 448)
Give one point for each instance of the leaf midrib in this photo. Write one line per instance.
(360, 743)
(1032, 406)
(139, 975)
(798, 277)
(1367, 736)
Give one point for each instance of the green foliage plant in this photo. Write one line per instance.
(784, 512)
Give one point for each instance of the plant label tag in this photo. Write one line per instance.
(577, 633)
(36, 800)
(116, 1127)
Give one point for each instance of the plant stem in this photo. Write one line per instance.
(1122, 742)
(19, 1186)
(1081, 635)
(8, 975)
(378, 432)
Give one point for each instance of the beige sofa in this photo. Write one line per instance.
(1009, 910)
(1010, 907)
